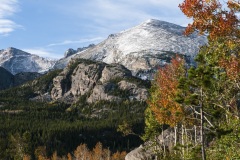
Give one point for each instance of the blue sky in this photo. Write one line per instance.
(49, 27)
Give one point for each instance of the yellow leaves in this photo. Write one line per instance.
(82, 152)
(98, 153)
(54, 156)
(234, 5)
(69, 156)
(119, 156)
(41, 153)
(162, 103)
(232, 67)
(26, 157)
(231, 44)
(125, 128)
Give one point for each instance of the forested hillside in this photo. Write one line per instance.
(30, 124)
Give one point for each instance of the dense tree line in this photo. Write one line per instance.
(57, 127)
(200, 104)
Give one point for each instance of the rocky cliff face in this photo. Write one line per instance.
(98, 80)
(16, 61)
(150, 149)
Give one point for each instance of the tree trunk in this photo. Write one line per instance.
(183, 150)
(195, 134)
(186, 138)
(202, 126)
(175, 135)
(163, 140)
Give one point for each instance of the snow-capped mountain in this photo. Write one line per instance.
(16, 61)
(145, 46)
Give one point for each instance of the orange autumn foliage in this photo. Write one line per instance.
(232, 67)
(26, 157)
(83, 153)
(209, 16)
(162, 103)
(119, 155)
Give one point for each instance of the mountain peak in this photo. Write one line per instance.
(154, 21)
(69, 52)
(11, 49)
(161, 24)
(145, 47)
(16, 60)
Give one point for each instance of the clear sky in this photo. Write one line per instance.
(49, 27)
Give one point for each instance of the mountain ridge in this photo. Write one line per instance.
(15, 61)
(144, 47)
(141, 49)
(8, 80)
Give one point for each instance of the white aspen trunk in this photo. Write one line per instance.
(156, 140)
(175, 135)
(164, 147)
(202, 126)
(186, 137)
(163, 140)
(109, 154)
(195, 134)
(183, 151)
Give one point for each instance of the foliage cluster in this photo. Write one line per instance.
(82, 152)
(206, 96)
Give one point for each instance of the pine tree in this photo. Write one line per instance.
(213, 85)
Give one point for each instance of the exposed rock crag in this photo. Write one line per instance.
(100, 81)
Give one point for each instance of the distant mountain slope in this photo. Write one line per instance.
(6, 79)
(16, 61)
(24, 77)
(84, 103)
(145, 46)
(84, 82)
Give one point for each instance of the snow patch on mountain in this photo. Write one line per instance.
(145, 46)
(16, 61)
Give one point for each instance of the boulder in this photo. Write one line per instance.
(148, 150)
